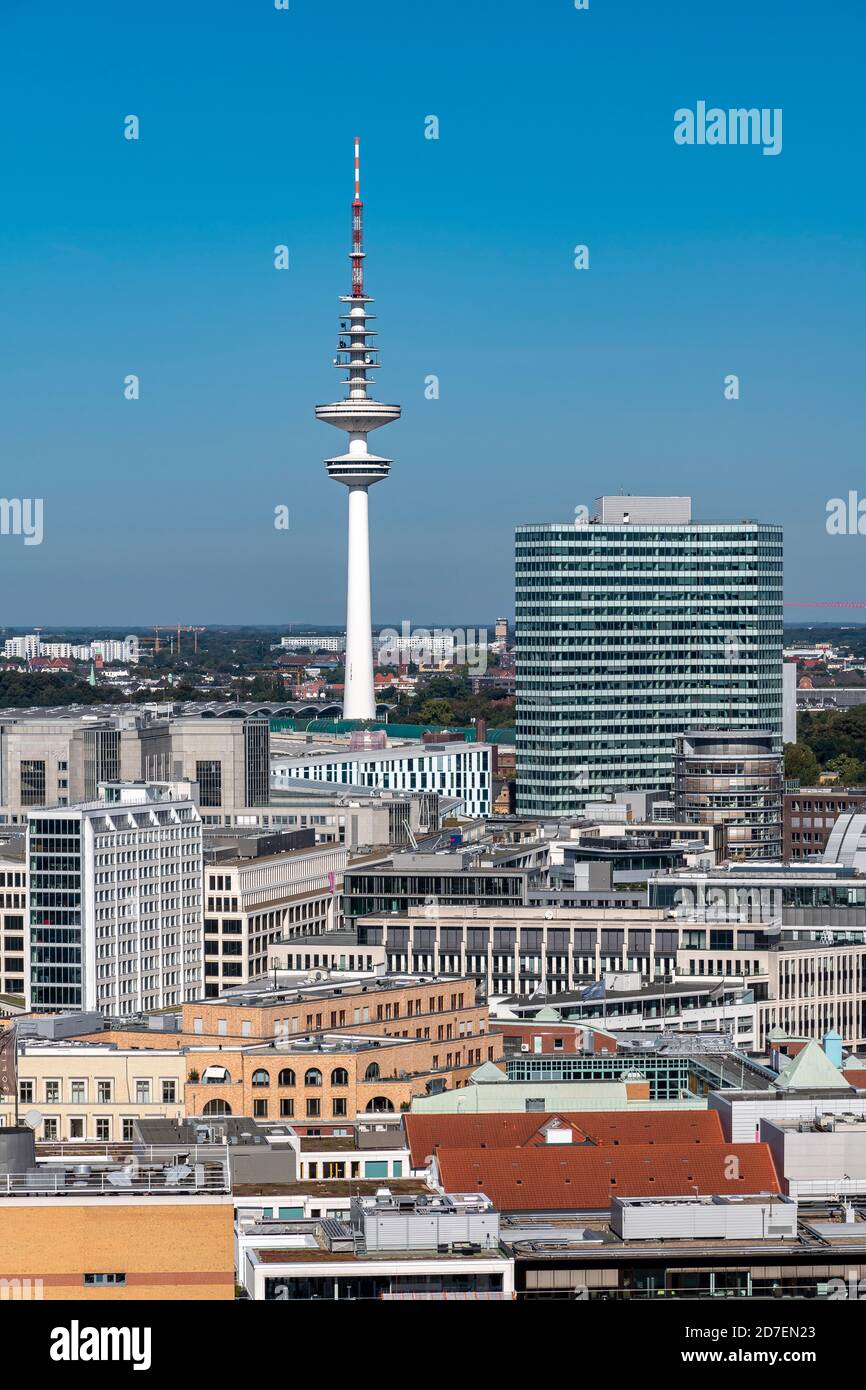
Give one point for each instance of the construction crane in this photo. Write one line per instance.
(153, 641)
(195, 632)
(157, 641)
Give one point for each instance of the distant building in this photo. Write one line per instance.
(461, 770)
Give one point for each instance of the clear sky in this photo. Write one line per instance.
(155, 257)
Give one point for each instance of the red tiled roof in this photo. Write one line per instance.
(552, 1178)
(609, 1127)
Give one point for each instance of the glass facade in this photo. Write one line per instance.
(101, 759)
(209, 775)
(54, 849)
(257, 747)
(627, 636)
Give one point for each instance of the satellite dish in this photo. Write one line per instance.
(34, 1118)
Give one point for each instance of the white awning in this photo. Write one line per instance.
(215, 1074)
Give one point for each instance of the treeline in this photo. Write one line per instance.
(20, 688)
(448, 699)
(829, 740)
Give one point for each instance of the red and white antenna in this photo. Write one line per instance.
(357, 230)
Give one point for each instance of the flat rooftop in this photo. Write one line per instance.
(262, 995)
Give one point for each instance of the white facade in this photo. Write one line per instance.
(461, 770)
(116, 904)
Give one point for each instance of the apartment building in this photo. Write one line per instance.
(115, 914)
(632, 627)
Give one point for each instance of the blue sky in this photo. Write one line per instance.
(155, 257)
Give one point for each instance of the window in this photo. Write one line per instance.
(209, 775)
(287, 1108)
(103, 1129)
(340, 1107)
(25, 1092)
(261, 1077)
(314, 1109)
(105, 1278)
(217, 1107)
(169, 1092)
(32, 782)
(379, 1105)
(142, 1093)
(372, 1073)
(333, 1170)
(287, 1077)
(104, 1092)
(339, 1077)
(49, 1130)
(128, 1131)
(52, 1093)
(76, 1128)
(78, 1092)
(313, 1077)
(260, 1109)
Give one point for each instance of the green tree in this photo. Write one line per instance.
(801, 763)
(436, 712)
(852, 773)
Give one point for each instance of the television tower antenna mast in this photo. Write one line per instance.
(358, 469)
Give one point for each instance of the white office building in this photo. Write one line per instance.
(115, 903)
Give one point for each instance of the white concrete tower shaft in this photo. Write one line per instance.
(358, 469)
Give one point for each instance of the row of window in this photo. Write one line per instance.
(104, 1091)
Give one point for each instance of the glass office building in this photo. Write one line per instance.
(632, 627)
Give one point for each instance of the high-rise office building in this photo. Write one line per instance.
(633, 627)
(115, 901)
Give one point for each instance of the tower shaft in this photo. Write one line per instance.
(359, 701)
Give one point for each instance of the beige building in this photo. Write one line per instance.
(229, 758)
(94, 1092)
(51, 760)
(253, 903)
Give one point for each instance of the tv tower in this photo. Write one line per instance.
(358, 469)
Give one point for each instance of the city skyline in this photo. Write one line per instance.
(156, 257)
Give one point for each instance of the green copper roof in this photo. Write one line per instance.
(811, 1070)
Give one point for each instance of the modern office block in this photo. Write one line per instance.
(631, 630)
